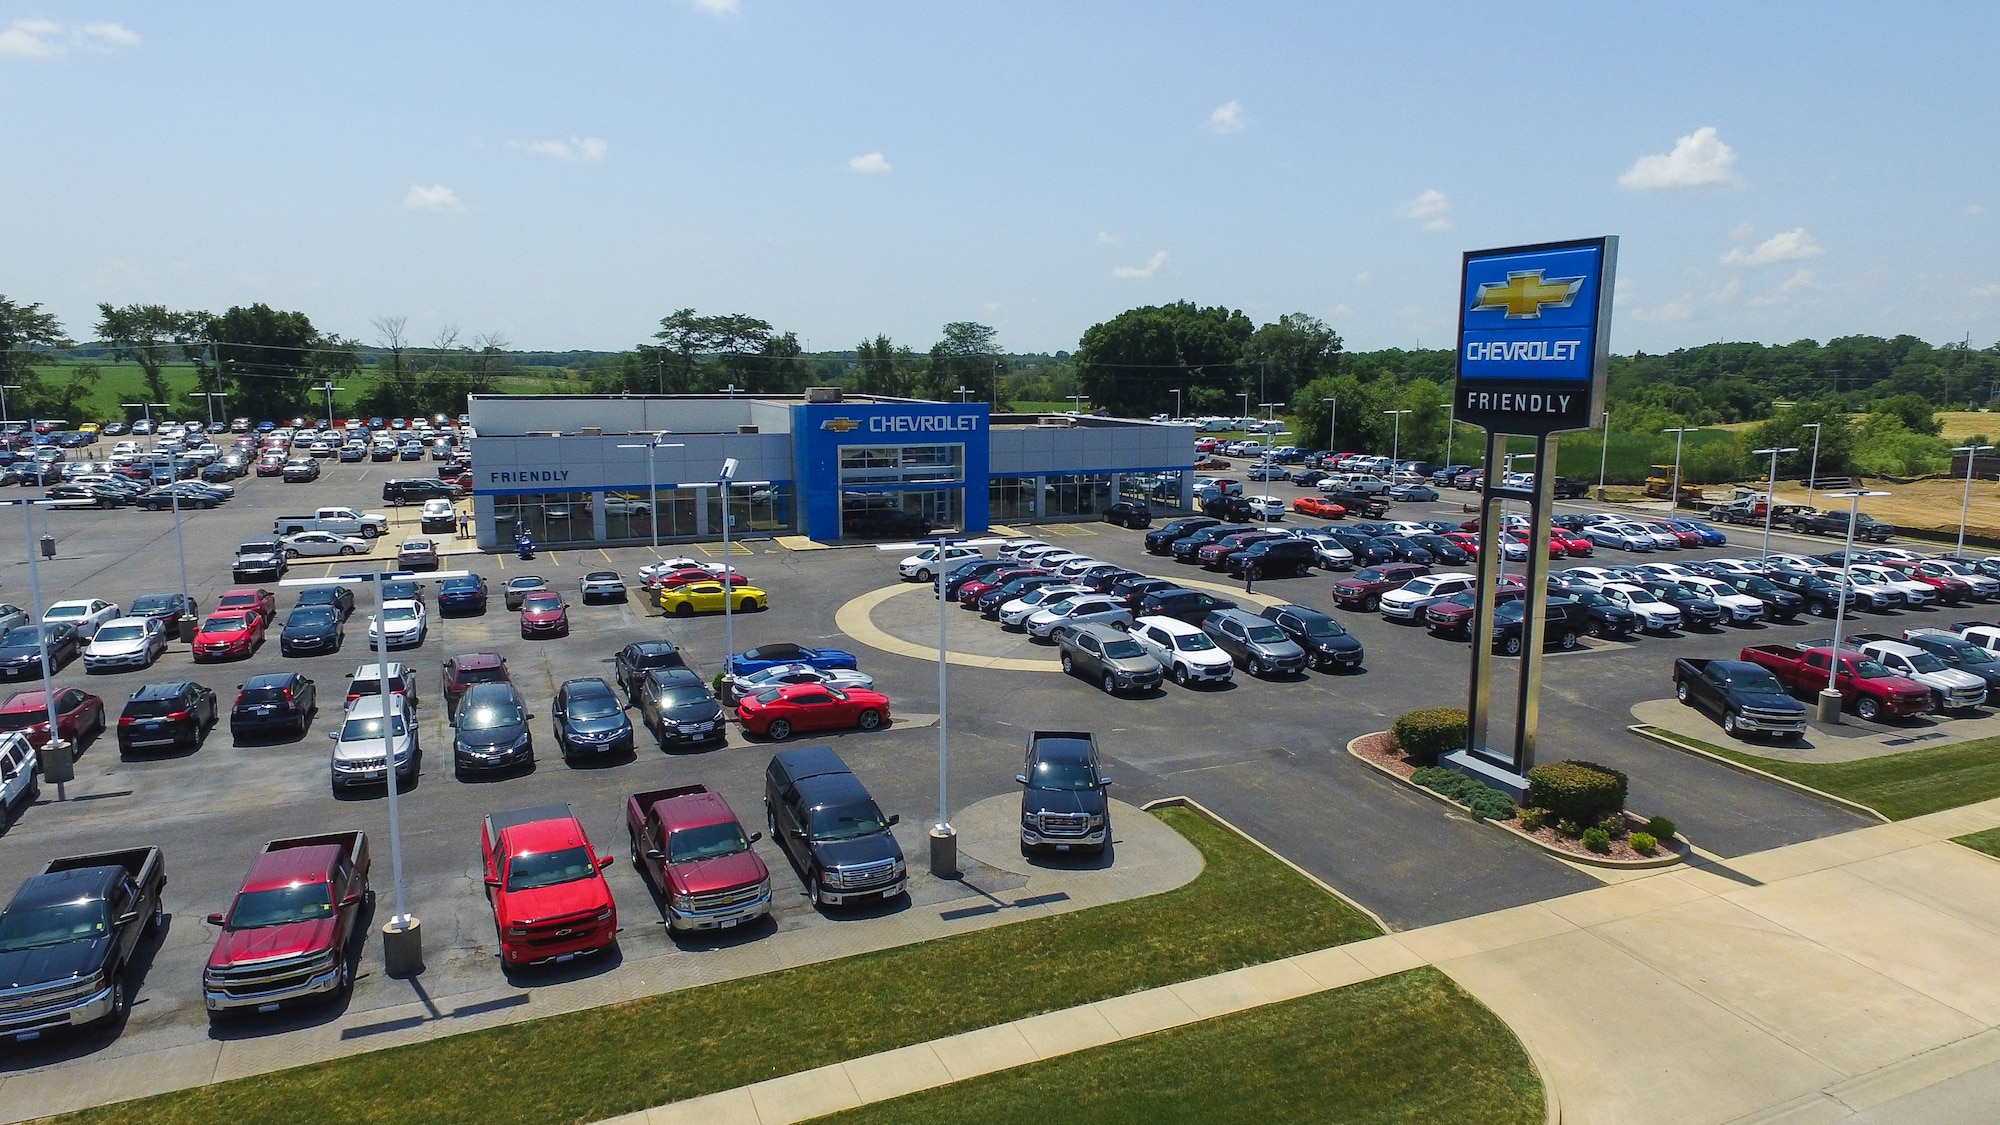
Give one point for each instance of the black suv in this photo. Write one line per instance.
(1160, 540)
(276, 703)
(640, 657)
(175, 714)
(1191, 606)
(823, 817)
(1327, 644)
(677, 707)
(1274, 558)
(1129, 513)
(416, 490)
(490, 730)
(1188, 547)
(589, 720)
(1564, 621)
(1064, 805)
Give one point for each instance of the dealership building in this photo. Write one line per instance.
(620, 469)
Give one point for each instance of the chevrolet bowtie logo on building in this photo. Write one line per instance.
(840, 425)
(1525, 294)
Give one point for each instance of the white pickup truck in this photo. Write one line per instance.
(340, 521)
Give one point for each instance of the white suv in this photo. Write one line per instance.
(1099, 609)
(1410, 601)
(357, 745)
(1183, 650)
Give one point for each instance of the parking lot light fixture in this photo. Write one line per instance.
(1450, 424)
(151, 433)
(1674, 495)
(5, 387)
(1972, 453)
(944, 838)
(726, 481)
(55, 741)
(211, 396)
(653, 484)
(328, 388)
(1332, 423)
(1829, 699)
(1812, 473)
(1270, 417)
(1396, 439)
(1771, 489)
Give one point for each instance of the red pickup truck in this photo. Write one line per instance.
(688, 843)
(1870, 689)
(546, 885)
(286, 936)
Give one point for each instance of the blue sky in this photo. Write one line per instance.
(565, 175)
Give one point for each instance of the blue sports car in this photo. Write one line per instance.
(767, 656)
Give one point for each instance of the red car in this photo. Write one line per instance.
(1466, 540)
(1315, 506)
(675, 579)
(1450, 617)
(781, 712)
(1681, 536)
(271, 464)
(544, 614)
(968, 594)
(230, 633)
(245, 599)
(546, 885)
(1205, 445)
(1521, 537)
(79, 714)
(1950, 590)
(1575, 546)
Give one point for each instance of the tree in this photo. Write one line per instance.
(885, 369)
(1914, 411)
(267, 358)
(22, 329)
(1289, 352)
(1128, 364)
(148, 335)
(1788, 429)
(965, 358)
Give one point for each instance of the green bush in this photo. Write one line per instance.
(1486, 802)
(1614, 824)
(1644, 843)
(1597, 840)
(1578, 791)
(1568, 828)
(1660, 828)
(1532, 819)
(1424, 734)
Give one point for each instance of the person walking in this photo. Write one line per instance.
(465, 525)
(1249, 577)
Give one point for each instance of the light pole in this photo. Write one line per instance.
(1829, 699)
(1079, 400)
(328, 388)
(148, 408)
(653, 487)
(55, 741)
(1450, 424)
(1771, 489)
(211, 396)
(1812, 474)
(1176, 392)
(1245, 416)
(963, 390)
(1332, 423)
(1603, 452)
(727, 480)
(1396, 440)
(1972, 453)
(1674, 495)
(1269, 418)
(4, 388)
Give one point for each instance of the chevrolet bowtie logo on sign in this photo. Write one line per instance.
(840, 425)
(1524, 294)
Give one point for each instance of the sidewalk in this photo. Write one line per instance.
(1814, 983)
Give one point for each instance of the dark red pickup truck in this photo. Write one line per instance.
(286, 936)
(688, 843)
(1864, 685)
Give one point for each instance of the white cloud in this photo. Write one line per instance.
(1680, 308)
(1432, 208)
(1784, 246)
(1698, 160)
(587, 150)
(1227, 118)
(1975, 208)
(436, 197)
(31, 39)
(1987, 291)
(1151, 267)
(1730, 291)
(1106, 238)
(1363, 278)
(868, 164)
(717, 7)
(106, 37)
(993, 306)
(1742, 232)
(1799, 280)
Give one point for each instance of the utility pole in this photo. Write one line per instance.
(329, 388)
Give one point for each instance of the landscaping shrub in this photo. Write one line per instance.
(1580, 791)
(1426, 733)
(1569, 828)
(1597, 840)
(1532, 819)
(1660, 828)
(1644, 843)
(1485, 801)
(1614, 824)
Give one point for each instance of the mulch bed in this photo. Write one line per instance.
(1381, 749)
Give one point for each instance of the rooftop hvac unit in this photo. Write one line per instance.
(822, 394)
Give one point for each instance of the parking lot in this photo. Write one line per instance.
(1267, 754)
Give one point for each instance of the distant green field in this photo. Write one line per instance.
(124, 382)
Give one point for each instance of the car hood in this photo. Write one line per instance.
(698, 712)
(1063, 801)
(114, 648)
(1954, 677)
(720, 873)
(1347, 642)
(603, 724)
(491, 736)
(220, 636)
(310, 629)
(53, 963)
(235, 947)
(865, 849)
(1771, 702)
(362, 750)
(573, 897)
(541, 616)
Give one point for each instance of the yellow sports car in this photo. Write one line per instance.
(706, 597)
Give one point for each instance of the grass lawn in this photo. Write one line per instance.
(1987, 841)
(1244, 908)
(124, 382)
(1410, 1047)
(1898, 786)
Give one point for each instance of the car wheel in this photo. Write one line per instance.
(1370, 604)
(1568, 642)
(869, 719)
(812, 887)
(1181, 674)
(923, 575)
(121, 1002)
(1681, 691)
(1867, 708)
(1254, 666)
(1512, 646)
(1818, 609)
(370, 532)
(1729, 726)
(290, 554)
(1110, 684)
(749, 605)
(346, 550)
(684, 610)
(1595, 629)
(1068, 665)
(778, 731)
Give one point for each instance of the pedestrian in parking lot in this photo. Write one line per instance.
(464, 525)
(1249, 577)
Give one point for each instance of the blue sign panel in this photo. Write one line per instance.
(1534, 336)
(821, 430)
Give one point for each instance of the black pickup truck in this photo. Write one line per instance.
(1745, 698)
(67, 936)
(1064, 806)
(1866, 528)
(1364, 505)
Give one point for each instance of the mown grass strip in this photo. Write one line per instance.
(1410, 1047)
(1244, 908)
(1898, 786)
(1987, 841)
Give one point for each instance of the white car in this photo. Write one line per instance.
(18, 763)
(1673, 572)
(1408, 602)
(1185, 653)
(1327, 551)
(778, 675)
(324, 544)
(1869, 592)
(84, 615)
(437, 510)
(1594, 576)
(1654, 615)
(407, 624)
(1076, 566)
(1914, 593)
(1050, 560)
(357, 745)
(1017, 611)
(1097, 609)
(126, 642)
(1951, 689)
(601, 585)
(1737, 568)
(1736, 606)
(1900, 554)
(652, 572)
(11, 615)
(1016, 548)
(1266, 507)
(1663, 537)
(922, 565)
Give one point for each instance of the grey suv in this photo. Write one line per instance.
(1259, 646)
(1109, 657)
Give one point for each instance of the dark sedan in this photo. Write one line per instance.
(274, 703)
(340, 599)
(311, 630)
(490, 730)
(464, 594)
(21, 650)
(589, 720)
(678, 708)
(170, 609)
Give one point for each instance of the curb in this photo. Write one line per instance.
(1666, 738)
(1184, 802)
(1679, 850)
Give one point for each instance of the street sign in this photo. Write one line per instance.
(1533, 336)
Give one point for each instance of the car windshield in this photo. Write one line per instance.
(281, 905)
(64, 612)
(542, 602)
(153, 603)
(305, 615)
(694, 693)
(1064, 775)
(1870, 670)
(1925, 662)
(225, 625)
(546, 869)
(519, 584)
(36, 926)
(1267, 634)
(593, 706)
(358, 730)
(710, 841)
(1322, 627)
(400, 613)
(488, 716)
(848, 822)
(122, 633)
(1124, 648)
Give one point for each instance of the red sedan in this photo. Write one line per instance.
(544, 614)
(245, 599)
(270, 464)
(1575, 546)
(1466, 540)
(675, 579)
(233, 634)
(780, 712)
(1684, 538)
(1315, 506)
(79, 714)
